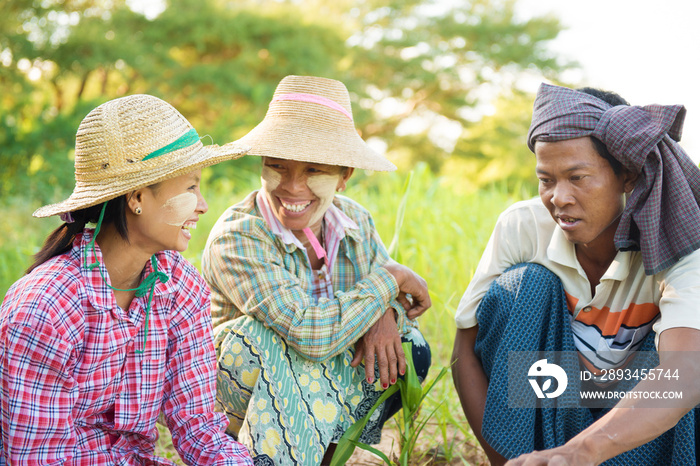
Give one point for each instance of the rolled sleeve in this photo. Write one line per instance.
(249, 271)
(680, 294)
(515, 239)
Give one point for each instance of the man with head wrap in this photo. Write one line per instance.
(604, 266)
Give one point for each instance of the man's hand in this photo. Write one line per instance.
(634, 422)
(383, 343)
(560, 456)
(410, 283)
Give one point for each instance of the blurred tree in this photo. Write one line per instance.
(49, 51)
(415, 69)
(494, 149)
(217, 65)
(438, 61)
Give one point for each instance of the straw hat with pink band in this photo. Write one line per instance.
(310, 120)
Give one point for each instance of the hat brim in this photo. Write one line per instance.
(89, 193)
(320, 144)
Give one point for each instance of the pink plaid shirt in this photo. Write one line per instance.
(74, 390)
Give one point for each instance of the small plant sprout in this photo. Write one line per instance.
(412, 395)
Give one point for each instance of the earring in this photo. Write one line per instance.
(340, 190)
(138, 211)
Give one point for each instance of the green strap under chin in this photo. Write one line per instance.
(148, 283)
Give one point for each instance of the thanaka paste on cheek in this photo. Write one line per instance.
(323, 187)
(178, 209)
(270, 179)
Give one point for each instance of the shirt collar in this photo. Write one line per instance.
(99, 294)
(334, 219)
(562, 251)
(341, 223)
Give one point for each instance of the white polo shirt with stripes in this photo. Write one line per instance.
(627, 304)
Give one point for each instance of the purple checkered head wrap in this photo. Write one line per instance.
(661, 216)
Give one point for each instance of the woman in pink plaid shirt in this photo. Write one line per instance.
(111, 326)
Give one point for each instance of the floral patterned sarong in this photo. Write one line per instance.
(287, 409)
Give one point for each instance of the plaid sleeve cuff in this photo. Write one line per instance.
(386, 281)
(381, 283)
(403, 323)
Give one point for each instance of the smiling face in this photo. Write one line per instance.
(581, 191)
(170, 209)
(300, 193)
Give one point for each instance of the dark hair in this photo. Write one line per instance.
(614, 100)
(61, 239)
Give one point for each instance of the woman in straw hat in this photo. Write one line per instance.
(303, 289)
(111, 325)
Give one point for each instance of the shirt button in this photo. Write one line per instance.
(587, 309)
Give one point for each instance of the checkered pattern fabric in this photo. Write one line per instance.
(73, 387)
(525, 310)
(662, 216)
(335, 222)
(253, 271)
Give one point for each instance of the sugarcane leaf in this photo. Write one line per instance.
(394, 246)
(346, 444)
(371, 449)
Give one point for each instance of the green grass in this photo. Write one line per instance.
(442, 238)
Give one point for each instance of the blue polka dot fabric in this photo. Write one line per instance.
(525, 310)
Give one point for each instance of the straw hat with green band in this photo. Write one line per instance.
(132, 142)
(310, 120)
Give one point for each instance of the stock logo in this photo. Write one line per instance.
(543, 371)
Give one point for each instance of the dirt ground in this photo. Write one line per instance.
(429, 451)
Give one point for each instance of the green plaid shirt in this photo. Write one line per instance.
(251, 271)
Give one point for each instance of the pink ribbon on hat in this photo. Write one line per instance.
(316, 99)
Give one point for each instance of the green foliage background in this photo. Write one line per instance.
(404, 61)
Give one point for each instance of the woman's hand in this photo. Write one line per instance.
(410, 283)
(383, 343)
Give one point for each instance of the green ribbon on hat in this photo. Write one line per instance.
(183, 141)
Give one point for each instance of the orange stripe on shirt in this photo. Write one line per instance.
(571, 302)
(609, 323)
